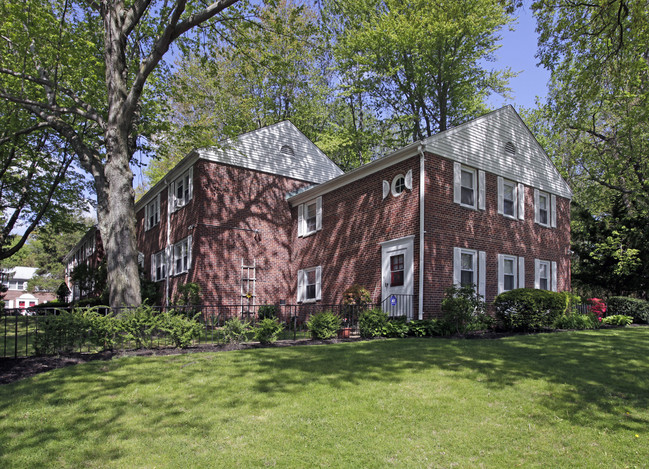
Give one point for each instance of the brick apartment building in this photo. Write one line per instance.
(268, 218)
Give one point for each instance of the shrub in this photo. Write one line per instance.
(371, 323)
(323, 325)
(428, 328)
(180, 329)
(102, 328)
(460, 306)
(356, 295)
(570, 301)
(139, 325)
(528, 309)
(267, 312)
(597, 307)
(235, 330)
(481, 321)
(617, 320)
(187, 300)
(637, 309)
(397, 327)
(267, 330)
(575, 320)
(61, 333)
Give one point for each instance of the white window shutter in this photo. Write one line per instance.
(189, 252)
(172, 197)
(521, 272)
(300, 285)
(300, 220)
(386, 189)
(521, 201)
(482, 203)
(318, 283)
(191, 183)
(536, 205)
(408, 180)
(501, 195)
(553, 211)
(457, 182)
(457, 264)
(318, 211)
(146, 217)
(554, 276)
(501, 274)
(171, 260)
(482, 273)
(153, 279)
(537, 274)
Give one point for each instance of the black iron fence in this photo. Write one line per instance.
(19, 327)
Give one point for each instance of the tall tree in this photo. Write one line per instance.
(81, 68)
(419, 63)
(598, 113)
(38, 183)
(261, 70)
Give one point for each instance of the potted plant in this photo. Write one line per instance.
(345, 329)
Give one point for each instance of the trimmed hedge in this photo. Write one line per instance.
(623, 305)
(528, 309)
(324, 325)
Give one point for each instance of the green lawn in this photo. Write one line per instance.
(574, 399)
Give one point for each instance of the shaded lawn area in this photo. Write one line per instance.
(573, 399)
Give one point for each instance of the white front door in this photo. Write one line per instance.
(397, 276)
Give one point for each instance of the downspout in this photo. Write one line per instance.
(169, 200)
(422, 193)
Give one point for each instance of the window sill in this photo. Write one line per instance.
(470, 207)
(309, 301)
(511, 217)
(310, 233)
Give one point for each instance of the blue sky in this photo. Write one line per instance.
(517, 52)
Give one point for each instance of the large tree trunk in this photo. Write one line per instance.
(117, 220)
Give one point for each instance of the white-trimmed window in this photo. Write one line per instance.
(181, 190)
(469, 268)
(182, 256)
(309, 285)
(511, 198)
(309, 217)
(468, 187)
(140, 259)
(545, 208)
(152, 213)
(398, 185)
(158, 266)
(511, 272)
(545, 275)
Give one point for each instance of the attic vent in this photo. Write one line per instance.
(287, 150)
(510, 148)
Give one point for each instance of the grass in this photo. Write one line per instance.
(17, 336)
(574, 399)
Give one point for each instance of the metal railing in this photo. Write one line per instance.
(19, 327)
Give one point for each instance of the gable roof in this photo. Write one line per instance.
(479, 143)
(277, 149)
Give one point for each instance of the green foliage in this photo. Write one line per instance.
(428, 328)
(597, 132)
(324, 325)
(356, 295)
(578, 321)
(188, 299)
(397, 327)
(267, 312)
(267, 330)
(92, 280)
(390, 67)
(372, 323)
(139, 325)
(461, 306)
(637, 309)
(64, 332)
(528, 309)
(617, 320)
(179, 328)
(235, 330)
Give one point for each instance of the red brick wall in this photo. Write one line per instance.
(450, 225)
(355, 220)
(234, 214)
